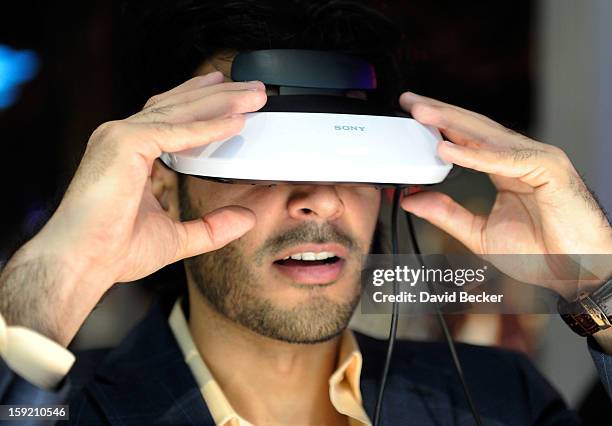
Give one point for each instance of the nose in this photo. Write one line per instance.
(313, 202)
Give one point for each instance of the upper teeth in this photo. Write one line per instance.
(309, 255)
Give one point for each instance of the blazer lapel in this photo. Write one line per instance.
(420, 389)
(146, 381)
(415, 394)
(406, 401)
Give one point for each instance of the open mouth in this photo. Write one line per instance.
(309, 259)
(311, 267)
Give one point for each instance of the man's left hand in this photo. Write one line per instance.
(542, 207)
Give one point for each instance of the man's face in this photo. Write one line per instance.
(256, 280)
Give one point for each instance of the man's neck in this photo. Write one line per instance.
(266, 381)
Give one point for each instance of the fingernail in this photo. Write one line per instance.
(257, 85)
(410, 94)
(212, 74)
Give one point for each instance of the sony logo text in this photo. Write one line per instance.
(352, 128)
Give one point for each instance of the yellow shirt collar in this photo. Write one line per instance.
(344, 391)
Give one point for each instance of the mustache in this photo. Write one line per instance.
(308, 232)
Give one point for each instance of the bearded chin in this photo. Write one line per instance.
(225, 280)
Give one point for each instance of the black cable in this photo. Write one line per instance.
(395, 309)
(449, 339)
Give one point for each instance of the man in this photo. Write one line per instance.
(252, 342)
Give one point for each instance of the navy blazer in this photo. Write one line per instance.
(145, 381)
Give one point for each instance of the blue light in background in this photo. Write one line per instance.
(16, 67)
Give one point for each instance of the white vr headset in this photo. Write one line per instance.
(312, 132)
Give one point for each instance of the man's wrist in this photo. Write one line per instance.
(45, 290)
(590, 314)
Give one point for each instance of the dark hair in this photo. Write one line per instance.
(165, 41)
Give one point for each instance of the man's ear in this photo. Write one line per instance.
(165, 187)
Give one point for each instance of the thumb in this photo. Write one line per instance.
(213, 231)
(445, 213)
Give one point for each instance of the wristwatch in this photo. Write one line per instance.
(590, 313)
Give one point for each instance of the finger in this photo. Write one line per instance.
(205, 108)
(213, 231)
(533, 166)
(443, 212)
(212, 78)
(460, 125)
(155, 138)
(149, 140)
(408, 99)
(203, 91)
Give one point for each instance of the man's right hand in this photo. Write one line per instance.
(109, 227)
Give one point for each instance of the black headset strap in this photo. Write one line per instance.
(304, 68)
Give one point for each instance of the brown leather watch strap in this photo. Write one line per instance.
(583, 316)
